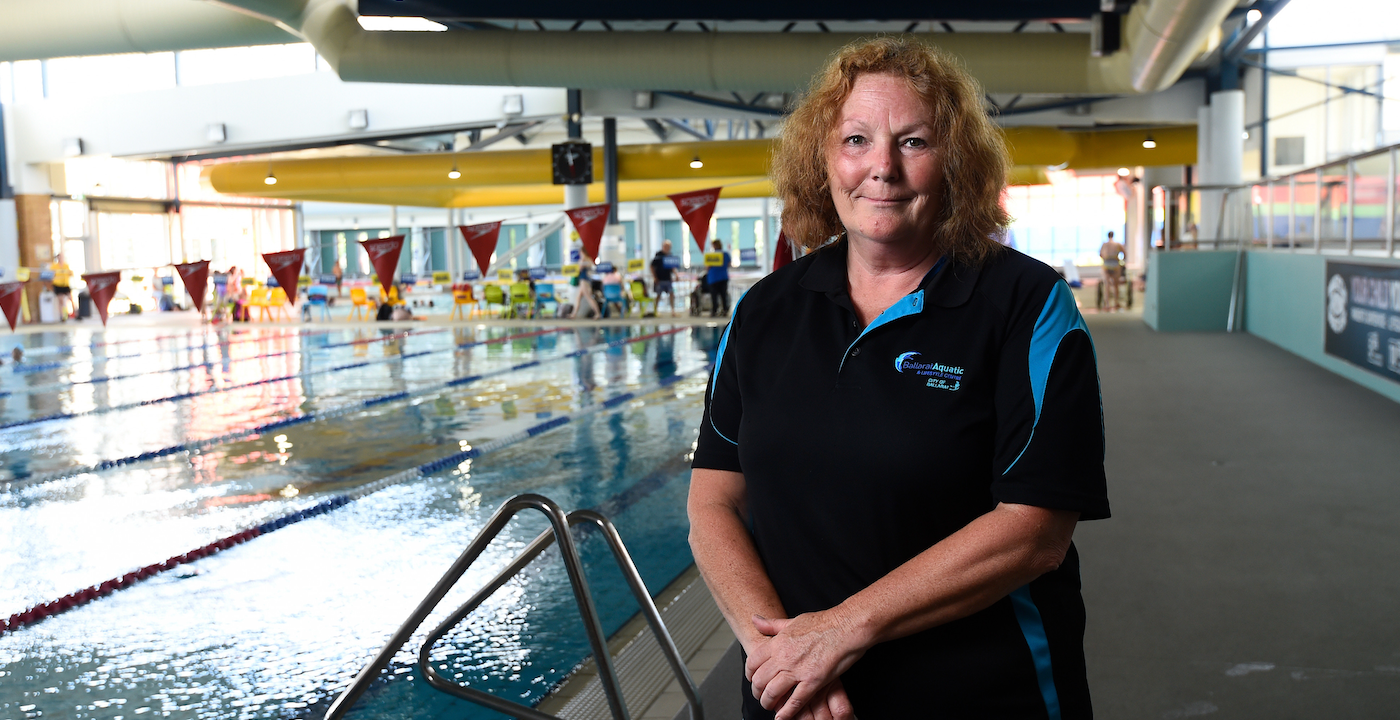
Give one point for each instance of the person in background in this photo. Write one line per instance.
(339, 276)
(62, 277)
(663, 276)
(585, 288)
(1112, 253)
(718, 279)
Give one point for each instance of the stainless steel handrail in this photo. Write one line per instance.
(568, 549)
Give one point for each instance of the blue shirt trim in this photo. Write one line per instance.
(719, 360)
(1028, 617)
(1058, 318)
(911, 304)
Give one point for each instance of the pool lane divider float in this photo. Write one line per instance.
(82, 597)
(27, 367)
(55, 387)
(254, 383)
(22, 482)
(51, 349)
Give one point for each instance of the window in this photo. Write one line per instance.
(1288, 151)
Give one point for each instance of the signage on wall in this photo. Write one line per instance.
(1363, 316)
(635, 265)
(748, 256)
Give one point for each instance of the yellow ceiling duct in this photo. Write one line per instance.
(645, 172)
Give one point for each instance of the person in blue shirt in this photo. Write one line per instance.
(717, 278)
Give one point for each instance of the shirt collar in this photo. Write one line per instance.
(949, 286)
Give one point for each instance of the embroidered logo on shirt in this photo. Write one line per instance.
(943, 377)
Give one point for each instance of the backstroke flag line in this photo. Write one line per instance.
(590, 221)
(101, 287)
(384, 255)
(482, 241)
(9, 301)
(696, 207)
(286, 267)
(196, 277)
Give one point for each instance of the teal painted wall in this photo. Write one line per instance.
(1188, 291)
(1284, 304)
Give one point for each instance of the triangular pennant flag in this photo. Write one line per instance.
(286, 267)
(696, 207)
(10, 294)
(196, 277)
(384, 256)
(590, 221)
(482, 241)
(783, 254)
(101, 287)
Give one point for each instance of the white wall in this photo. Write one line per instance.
(9, 241)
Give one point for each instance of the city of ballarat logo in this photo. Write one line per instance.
(937, 375)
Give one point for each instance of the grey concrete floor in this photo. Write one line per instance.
(1252, 565)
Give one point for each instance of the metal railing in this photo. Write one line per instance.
(568, 549)
(1346, 206)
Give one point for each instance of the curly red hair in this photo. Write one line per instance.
(975, 160)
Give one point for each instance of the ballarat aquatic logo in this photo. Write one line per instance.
(943, 377)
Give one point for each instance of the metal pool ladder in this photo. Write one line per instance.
(559, 530)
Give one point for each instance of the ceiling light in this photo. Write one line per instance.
(1253, 16)
(270, 179)
(1244, 135)
(1149, 143)
(1124, 172)
(379, 23)
(696, 164)
(454, 173)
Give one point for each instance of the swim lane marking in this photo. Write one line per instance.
(20, 483)
(86, 595)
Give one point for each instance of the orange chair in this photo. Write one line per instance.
(260, 298)
(361, 305)
(462, 295)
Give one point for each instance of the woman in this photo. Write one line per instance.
(903, 427)
(585, 288)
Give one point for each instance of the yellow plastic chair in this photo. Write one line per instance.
(277, 303)
(259, 298)
(391, 298)
(640, 299)
(520, 298)
(361, 305)
(462, 296)
(494, 296)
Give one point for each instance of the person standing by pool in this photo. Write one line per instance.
(1112, 252)
(62, 289)
(717, 277)
(339, 276)
(902, 428)
(663, 275)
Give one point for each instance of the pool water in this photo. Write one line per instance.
(276, 627)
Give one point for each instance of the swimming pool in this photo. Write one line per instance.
(274, 627)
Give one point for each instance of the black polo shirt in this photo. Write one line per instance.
(861, 448)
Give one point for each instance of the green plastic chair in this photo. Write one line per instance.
(520, 301)
(639, 296)
(494, 295)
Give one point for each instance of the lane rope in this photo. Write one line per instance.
(53, 349)
(40, 612)
(60, 386)
(229, 388)
(27, 481)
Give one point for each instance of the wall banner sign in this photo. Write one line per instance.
(1363, 316)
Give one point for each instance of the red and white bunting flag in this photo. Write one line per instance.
(101, 287)
(783, 254)
(286, 267)
(590, 221)
(384, 256)
(196, 277)
(10, 295)
(482, 241)
(696, 207)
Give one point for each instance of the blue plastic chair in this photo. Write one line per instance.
(318, 296)
(612, 295)
(544, 293)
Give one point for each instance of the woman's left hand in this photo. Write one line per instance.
(805, 654)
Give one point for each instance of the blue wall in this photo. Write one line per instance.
(1285, 297)
(1188, 291)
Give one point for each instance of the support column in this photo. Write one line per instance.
(1220, 161)
(610, 166)
(35, 226)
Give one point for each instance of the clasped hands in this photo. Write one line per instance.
(796, 667)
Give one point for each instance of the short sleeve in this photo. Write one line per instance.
(1050, 432)
(718, 445)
